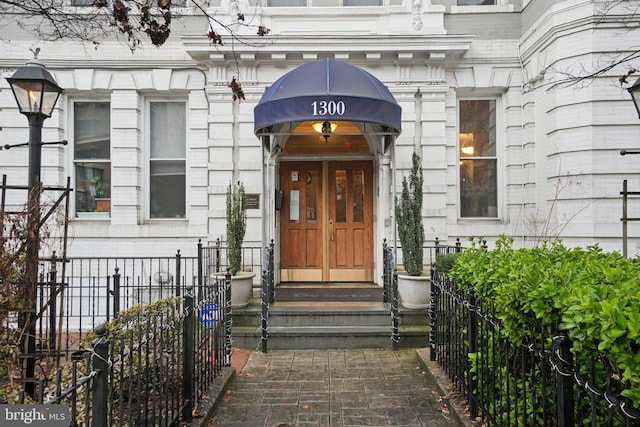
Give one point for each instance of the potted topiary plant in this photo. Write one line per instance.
(241, 281)
(414, 283)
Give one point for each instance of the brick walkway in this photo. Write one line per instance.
(336, 388)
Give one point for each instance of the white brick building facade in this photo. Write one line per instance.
(553, 159)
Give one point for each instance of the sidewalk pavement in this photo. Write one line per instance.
(335, 388)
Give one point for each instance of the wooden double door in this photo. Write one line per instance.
(326, 221)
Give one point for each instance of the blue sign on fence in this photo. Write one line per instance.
(209, 315)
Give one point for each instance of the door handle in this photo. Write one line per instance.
(330, 229)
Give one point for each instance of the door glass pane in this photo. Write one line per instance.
(312, 196)
(341, 196)
(358, 196)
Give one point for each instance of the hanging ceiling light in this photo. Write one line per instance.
(326, 128)
(466, 143)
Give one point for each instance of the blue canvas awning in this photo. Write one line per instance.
(327, 90)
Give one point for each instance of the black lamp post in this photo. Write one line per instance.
(36, 93)
(634, 90)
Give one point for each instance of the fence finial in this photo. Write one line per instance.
(101, 330)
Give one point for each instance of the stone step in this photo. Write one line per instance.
(326, 315)
(308, 325)
(329, 337)
(328, 292)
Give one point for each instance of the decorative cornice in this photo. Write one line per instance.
(304, 48)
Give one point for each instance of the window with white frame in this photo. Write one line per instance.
(167, 159)
(287, 3)
(476, 2)
(92, 157)
(478, 159)
(307, 3)
(174, 3)
(154, 3)
(362, 2)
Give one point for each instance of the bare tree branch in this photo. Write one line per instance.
(137, 20)
(624, 16)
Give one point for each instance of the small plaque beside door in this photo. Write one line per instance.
(252, 201)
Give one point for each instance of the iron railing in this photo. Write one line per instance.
(267, 295)
(390, 291)
(509, 384)
(388, 267)
(216, 258)
(438, 249)
(390, 278)
(78, 294)
(155, 365)
(187, 345)
(393, 257)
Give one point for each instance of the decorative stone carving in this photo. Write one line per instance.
(417, 15)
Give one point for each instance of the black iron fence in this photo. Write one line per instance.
(390, 277)
(151, 366)
(215, 258)
(439, 249)
(78, 294)
(390, 291)
(267, 296)
(163, 367)
(537, 382)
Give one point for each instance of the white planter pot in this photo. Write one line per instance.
(241, 289)
(414, 291)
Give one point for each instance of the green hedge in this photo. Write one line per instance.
(593, 295)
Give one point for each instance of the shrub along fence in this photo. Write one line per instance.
(78, 294)
(150, 365)
(168, 334)
(519, 339)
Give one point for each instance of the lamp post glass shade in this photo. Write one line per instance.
(35, 89)
(634, 90)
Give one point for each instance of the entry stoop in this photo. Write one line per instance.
(329, 292)
(328, 317)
